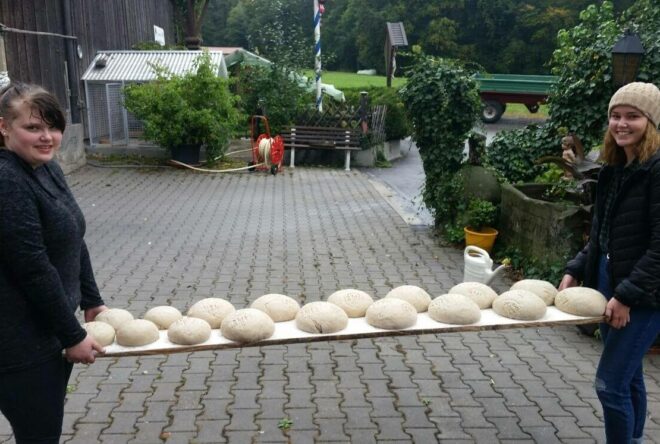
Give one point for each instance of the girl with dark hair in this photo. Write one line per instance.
(45, 269)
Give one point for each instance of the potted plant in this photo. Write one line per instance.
(182, 113)
(479, 218)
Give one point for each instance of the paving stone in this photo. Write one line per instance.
(98, 413)
(241, 436)
(383, 407)
(214, 409)
(328, 408)
(148, 432)
(300, 399)
(483, 435)
(86, 433)
(302, 436)
(122, 423)
(77, 402)
(245, 399)
(242, 419)
(391, 429)
(115, 438)
(450, 429)
(508, 428)
(302, 418)
(362, 436)
(401, 380)
(132, 402)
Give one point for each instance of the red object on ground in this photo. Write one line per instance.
(276, 153)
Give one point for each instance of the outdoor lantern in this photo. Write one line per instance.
(626, 57)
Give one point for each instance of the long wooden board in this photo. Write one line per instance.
(287, 333)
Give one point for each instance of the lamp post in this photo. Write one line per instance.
(626, 57)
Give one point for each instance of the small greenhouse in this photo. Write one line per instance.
(108, 122)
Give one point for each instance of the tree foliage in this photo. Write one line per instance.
(508, 36)
(578, 103)
(271, 90)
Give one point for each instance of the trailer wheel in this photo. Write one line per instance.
(491, 111)
(533, 108)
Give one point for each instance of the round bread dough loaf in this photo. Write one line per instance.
(519, 304)
(115, 317)
(454, 309)
(417, 297)
(212, 310)
(321, 317)
(101, 332)
(581, 301)
(353, 302)
(137, 332)
(189, 331)
(163, 316)
(543, 289)
(391, 314)
(278, 306)
(247, 325)
(480, 293)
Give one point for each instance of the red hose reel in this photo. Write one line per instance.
(267, 151)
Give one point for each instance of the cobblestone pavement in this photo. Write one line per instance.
(173, 237)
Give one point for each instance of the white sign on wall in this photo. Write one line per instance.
(159, 35)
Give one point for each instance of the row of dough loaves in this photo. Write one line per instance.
(462, 305)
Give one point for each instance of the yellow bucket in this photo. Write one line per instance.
(483, 239)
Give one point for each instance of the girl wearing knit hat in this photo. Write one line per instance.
(622, 257)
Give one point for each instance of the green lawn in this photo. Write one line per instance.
(519, 110)
(349, 80)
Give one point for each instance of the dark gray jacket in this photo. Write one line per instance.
(45, 270)
(634, 238)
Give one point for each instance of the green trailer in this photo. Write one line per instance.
(496, 90)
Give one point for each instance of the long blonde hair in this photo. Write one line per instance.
(612, 154)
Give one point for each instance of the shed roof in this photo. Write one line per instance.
(135, 66)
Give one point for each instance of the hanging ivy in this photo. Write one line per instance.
(443, 104)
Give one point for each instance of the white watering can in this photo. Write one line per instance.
(478, 266)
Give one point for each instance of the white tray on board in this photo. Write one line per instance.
(287, 333)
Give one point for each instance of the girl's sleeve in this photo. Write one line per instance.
(23, 255)
(91, 296)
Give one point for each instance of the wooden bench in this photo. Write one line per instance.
(322, 138)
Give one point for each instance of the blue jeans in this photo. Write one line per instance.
(619, 378)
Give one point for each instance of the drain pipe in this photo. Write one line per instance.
(72, 64)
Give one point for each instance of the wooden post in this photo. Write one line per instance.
(4, 72)
(364, 103)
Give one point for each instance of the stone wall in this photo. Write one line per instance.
(546, 231)
(72, 152)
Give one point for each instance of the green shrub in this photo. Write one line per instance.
(196, 108)
(479, 214)
(443, 104)
(512, 153)
(532, 268)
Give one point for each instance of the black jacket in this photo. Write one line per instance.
(634, 238)
(45, 270)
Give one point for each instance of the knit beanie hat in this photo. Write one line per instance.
(643, 96)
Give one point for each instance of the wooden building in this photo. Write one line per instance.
(51, 42)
